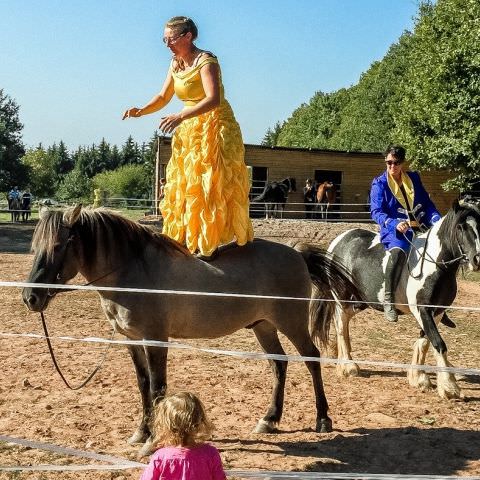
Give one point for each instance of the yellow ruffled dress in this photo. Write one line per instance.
(206, 194)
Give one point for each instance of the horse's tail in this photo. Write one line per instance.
(261, 197)
(332, 282)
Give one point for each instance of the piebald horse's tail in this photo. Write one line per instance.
(332, 282)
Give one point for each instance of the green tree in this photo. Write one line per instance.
(312, 125)
(103, 157)
(41, 165)
(127, 181)
(367, 122)
(439, 115)
(12, 171)
(130, 152)
(75, 186)
(271, 136)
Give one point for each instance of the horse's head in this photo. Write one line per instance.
(467, 232)
(293, 184)
(55, 261)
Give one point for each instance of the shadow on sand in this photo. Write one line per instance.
(414, 451)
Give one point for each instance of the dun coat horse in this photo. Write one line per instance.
(110, 250)
(275, 196)
(428, 281)
(326, 196)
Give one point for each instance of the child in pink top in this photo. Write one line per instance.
(180, 424)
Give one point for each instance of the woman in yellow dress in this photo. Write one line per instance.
(206, 194)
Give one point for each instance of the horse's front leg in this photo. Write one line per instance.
(137, 354)
(344, 347)
(267, 337)
(446, 384)
(156, 360)
(419, 378)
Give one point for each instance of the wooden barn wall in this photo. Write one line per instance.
(357, 171)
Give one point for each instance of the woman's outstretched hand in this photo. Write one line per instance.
(132, 112)
(169, 123)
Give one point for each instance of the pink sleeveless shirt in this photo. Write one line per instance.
(181, 463)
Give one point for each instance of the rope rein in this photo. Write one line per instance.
(57, 367)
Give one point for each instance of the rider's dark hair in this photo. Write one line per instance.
(396, 151)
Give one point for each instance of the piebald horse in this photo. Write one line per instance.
(428, 281)
(326, 196)
(275, 196)
(110, 250)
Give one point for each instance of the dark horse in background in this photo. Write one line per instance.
(275, 196)
(428, 281)
(326, 196)
(26, 206)
(15, 206)
(86, 242)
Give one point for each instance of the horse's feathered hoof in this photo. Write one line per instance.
(264, 426)
(147, 449)
(139, 436)
(324, 425)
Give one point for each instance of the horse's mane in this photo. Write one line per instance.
(456, 215)
(128, 235)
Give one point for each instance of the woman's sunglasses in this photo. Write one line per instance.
(392, 162)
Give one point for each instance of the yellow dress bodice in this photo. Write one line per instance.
(188, 85)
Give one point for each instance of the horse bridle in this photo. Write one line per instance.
(47, 335)
(443, 265)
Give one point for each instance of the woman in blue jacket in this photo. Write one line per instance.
(400, 205)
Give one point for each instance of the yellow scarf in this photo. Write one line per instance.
(407, 185)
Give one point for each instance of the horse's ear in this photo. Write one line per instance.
(71, 215)
(43, 212)
(455, 205)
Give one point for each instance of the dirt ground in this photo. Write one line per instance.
(381, 424)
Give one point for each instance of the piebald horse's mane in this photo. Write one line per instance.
(100, 224)
(455, 216)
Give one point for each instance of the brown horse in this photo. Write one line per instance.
(326, 195)
(110, 250)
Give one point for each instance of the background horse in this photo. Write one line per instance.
(87, 242)
(14, 205)
(428, 278)
(326, 195)
(26, 206)
(275, 196)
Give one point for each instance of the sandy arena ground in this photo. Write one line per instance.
(381, 425)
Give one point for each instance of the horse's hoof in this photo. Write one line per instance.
(138, 437)
(147, 449)
(263, 426)
(324, 425)
(452, 393)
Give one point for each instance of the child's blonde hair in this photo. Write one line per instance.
(180, 419)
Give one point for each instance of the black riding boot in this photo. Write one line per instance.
(393, 272)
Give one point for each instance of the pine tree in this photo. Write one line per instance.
(12, 170)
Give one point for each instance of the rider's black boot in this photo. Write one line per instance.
(393, 272)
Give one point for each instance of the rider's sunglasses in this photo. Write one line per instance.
(392, 162)
(173, 40)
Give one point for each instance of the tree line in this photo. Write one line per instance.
(424, 94)
(56, 172)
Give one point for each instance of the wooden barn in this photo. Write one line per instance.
(351, 173)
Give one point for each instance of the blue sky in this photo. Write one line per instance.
(73, 66)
